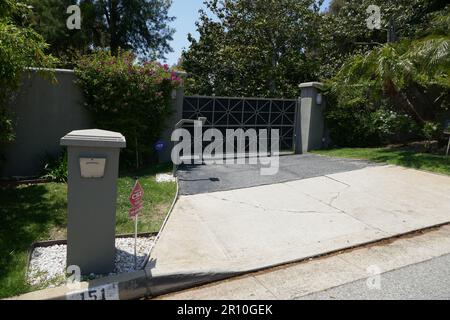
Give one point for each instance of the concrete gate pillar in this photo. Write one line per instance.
(164, 155)
(93, 165)
(310, 121)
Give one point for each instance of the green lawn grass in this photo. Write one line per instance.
(33, 213)
(397, 156)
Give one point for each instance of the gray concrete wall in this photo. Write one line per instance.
(43, 113)
(177, 113)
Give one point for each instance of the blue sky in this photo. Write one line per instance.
(186, 13)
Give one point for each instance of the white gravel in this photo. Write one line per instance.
(165, 178)
(48, 264)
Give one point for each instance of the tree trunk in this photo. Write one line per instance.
(113, 30)
(422, 102)
(272, 84)
(401, 99)
(412, 107)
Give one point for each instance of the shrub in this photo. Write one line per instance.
(352, 127)
(350, 116)
(431, 130)
(128, 97)
(55, 169)
(393, 126)
(357, 117)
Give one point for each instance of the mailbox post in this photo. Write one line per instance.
(93, 164)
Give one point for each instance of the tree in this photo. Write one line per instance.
(49, 20)
(253, 48)
(344, 30)
(141, 25)
(138, 25)
(410, 77)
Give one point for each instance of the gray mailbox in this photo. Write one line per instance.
(93, 163)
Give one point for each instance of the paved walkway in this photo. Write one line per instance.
(212, 236)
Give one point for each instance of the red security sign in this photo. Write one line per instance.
(136, 200)
(135, 211)
(136, 194)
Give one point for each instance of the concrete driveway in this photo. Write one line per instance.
(214, 235)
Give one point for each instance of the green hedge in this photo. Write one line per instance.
(128, 97)
(355, 118)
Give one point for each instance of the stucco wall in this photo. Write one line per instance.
(43, 113)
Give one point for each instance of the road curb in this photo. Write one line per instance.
(130, 286)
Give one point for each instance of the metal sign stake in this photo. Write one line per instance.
(135, 241)
(136, 207)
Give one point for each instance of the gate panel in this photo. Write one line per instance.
(247, 113)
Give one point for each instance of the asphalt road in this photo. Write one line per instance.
(211, 178)
(426, 280)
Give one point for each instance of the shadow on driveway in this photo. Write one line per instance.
(196, 179)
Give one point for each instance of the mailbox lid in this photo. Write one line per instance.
(92, 167)
(94, 138)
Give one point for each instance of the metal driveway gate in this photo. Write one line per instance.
(246, 113)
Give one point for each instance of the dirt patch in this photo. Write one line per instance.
(58, 234)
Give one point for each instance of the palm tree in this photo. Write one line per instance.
(405, 71)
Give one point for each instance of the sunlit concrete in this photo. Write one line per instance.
(235, 231)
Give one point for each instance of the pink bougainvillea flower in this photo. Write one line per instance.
(174, 77)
